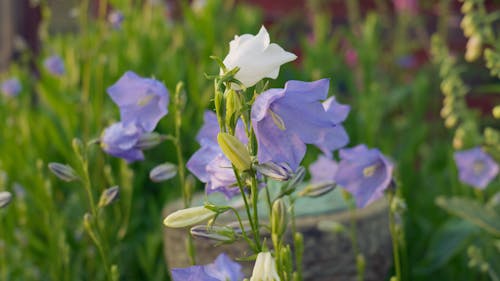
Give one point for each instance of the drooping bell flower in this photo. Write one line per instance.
(222, 269)
(285, 120)
(323, 170)
(256, 57)
(365, 173)
(11, 87)
(122, 140)
(142, 101)
(476, 167)
(54, 65)
(265, 268)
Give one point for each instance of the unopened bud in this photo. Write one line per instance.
(87, 222)
(264, 268)
(148, 141)
(496, 112)
(108, 196)
(236, 227)
(234, 104)
(235, 151)
(279, 218)
(298, 177)
(279, 172)
(188, 217)
(163, 172)
(63, 172)
(474, 48)
(218, 233)
(450, 121)
(467, 7)
(5, 198)
(318, 189)
(360, 263)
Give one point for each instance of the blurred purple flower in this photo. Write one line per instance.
(406, 6)
(209, 164)
(222, 269)
(120, 140)
(285, 120)
(351, 57)
(365, 173)
(323, 170)
(115, 18)
(54, 65)
(11, 87)
(475, 167)
(142, 101)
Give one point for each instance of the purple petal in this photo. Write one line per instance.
(475, 167)
(324, 169)
(193, 273)
(225, 269)
(336, 111)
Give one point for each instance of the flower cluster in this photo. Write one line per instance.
(142, 102)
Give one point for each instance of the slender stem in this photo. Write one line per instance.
(493, 275)
(353, 234)
(255, 200)
(298, 256)
(243, 231)
(394, 236)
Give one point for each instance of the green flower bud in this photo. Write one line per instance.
(234, 103)
(5, 198)
(63, 172)
(474, 48)
(188, 217)
(274, 171)
(109, 196)
(163, 172)
(318, 189)
(235, 151)
(148, 141)
(496, 112)
(217, 233)
(279, 218)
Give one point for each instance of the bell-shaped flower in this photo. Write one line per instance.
(11, 87)
(222, 269)
(475, 167)
(285, 120)
(365, 173)
(209, 164)
(54, 65)
(265, 268)
(142, 101)
(121, 140)
(256, 57)
(323, 170)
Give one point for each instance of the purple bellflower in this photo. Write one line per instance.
(285, 120)
(54, 65)
(222, 269)
(11, 87)
(121, 140)
(323, 170)
(209, 164)
(475, 167)
(142, 101)
(115, 18)
(365, 173)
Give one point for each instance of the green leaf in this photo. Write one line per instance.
(450, 239)
(472, 211)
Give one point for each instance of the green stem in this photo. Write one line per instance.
(254, 190)
(243, 231)
(298, 257)
(394, 236)
(353, 234)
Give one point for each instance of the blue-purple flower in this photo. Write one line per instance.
(285, 120)
(115, 18)
(323, 170)
(209, 164)
(475, 167)
(222, 269)
(365, 173)
(121, 140)
(11, 87)
(142, 101)
(54, 65)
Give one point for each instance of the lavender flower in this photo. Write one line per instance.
(115, 18)
(285, 120)
(209, 164)
(54, 65)
(222, 269)
(11, 87)
(475, 167)
(121, 140)
(365, 173)
(323, 170)
(142, 101)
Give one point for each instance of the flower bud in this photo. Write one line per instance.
(87, 222)
(163, 172)
(235, 151)
(474, 48)
(189, 216)
(318, 189)
(236, 227)
(496, 112)
(298, 177)
(63, 172)
(108, 196)
(265, 268)
(234, 104)
(279, 218)
(148, 141)
(218, 233)
(279, 172)
(5, 198)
